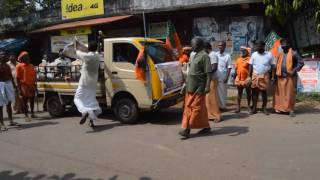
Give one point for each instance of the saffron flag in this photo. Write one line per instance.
(276, 48)
(273, 43)
(173, 40)
(140, 66)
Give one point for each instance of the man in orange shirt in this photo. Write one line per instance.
(242, 79)
(26, 79)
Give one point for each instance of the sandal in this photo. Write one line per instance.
(33, 116)
(91, 124)
(3, 128)
(28, 119)
(14, 124)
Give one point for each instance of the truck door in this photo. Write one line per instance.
(124, 56)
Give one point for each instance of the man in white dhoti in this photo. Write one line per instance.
(85, 97)
(223, 73)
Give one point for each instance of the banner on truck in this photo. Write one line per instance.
(171, 76)
(71, 9)
(59, 42)
(309, 77)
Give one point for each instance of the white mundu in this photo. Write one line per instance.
(85, 97)
(224, 63)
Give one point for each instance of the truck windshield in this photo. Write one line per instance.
(158, 52)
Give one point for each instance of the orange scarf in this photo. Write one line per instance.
(289, 62)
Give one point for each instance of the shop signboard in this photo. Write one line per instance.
(309, 77)
(71, 9)
(171, 76)
(158, 30)
(59, 42)
(76, 31)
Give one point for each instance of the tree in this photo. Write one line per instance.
(45, 4)
(15, 8)
(284, 10)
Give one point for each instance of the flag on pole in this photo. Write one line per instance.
(276, 48)
(273, 43)
(173, 40)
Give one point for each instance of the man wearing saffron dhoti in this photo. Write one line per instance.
(288, 63)
(195, 114)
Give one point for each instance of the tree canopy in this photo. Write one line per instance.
(14, 8)
(283, 10)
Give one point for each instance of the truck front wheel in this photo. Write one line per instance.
(126, 110)
(54, 107)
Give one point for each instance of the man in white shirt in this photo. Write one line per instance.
(85, 97)
(62, 63)
(13, 63)
(223, 73)
(261, 65)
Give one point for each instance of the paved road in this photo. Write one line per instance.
(257, 147)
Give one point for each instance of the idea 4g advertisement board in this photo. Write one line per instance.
(71, 9)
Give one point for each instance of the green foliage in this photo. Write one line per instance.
(46, 4)
(284, 9)
(14, 8)
(308, 97)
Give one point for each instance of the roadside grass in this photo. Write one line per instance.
(309, 97)
(312, 99)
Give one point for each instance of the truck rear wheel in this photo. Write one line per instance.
(126, 110)
(54, 107)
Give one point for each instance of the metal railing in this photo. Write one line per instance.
(63, 73)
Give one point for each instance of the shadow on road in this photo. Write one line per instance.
(99, 128)
(307, 109)
(9, 175)
(234, 116)
(231, 130)
(227, 130)
(33, 125)
(170, 116)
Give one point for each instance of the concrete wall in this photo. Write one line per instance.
(152, 5)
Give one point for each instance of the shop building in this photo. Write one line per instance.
(238, 22)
